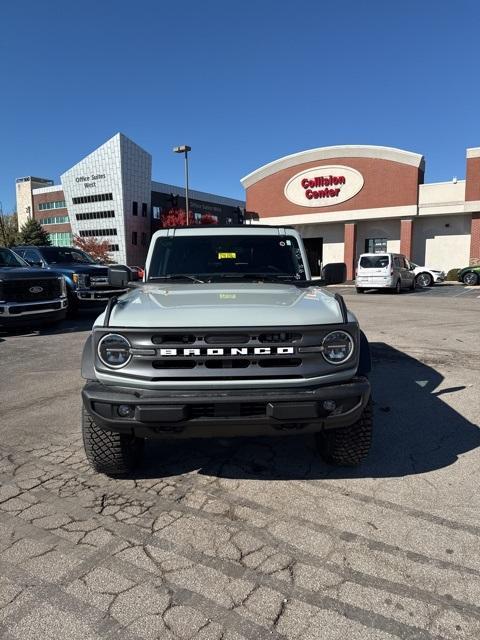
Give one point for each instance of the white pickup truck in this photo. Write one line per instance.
(227, 335)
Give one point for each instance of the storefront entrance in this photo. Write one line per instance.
(314, 249)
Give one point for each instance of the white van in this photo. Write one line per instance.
(384, 271)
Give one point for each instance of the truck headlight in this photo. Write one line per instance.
(63, 287)
(80, 280)
(337, 347)
(114, 350)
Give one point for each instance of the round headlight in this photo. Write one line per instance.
(337, 347)
(114, 350)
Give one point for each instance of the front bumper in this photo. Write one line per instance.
(224, 413)
(15, 312)
(97, 295)
(438, 277)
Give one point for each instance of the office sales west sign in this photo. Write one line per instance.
(324, 186)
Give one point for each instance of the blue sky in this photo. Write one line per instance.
(242, 82)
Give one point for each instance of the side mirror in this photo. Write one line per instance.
(119, 276)
(334, 273)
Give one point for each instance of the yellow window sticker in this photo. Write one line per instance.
(227, 256)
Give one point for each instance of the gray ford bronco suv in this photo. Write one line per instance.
(226, 336)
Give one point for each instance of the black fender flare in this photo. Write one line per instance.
(88, 360)
(365, 358)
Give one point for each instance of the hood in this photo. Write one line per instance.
(427, 268)
(90, 269)
(25, 273)
(224, 305)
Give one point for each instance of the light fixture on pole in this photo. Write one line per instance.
(184, 148)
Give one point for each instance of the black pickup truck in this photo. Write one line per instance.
(87, 281)
(29, 295)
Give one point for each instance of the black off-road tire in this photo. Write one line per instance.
(360, 289)
(115, 454)
(349, 446)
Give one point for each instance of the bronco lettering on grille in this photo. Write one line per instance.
(230, 351)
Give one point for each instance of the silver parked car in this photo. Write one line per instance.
(384, 271)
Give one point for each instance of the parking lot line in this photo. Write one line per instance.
(466, 290)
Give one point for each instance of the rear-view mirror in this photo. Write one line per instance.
(35, 263)
(334, 273)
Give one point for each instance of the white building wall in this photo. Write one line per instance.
(389, 229)
(122, 168)
(332, 235)
(442, 242)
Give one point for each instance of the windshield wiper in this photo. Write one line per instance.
(177, 276)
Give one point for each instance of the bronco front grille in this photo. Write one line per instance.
(224, 354)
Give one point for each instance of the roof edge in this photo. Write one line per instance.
(473, 152)
(339, 151)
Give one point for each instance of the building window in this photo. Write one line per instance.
(134, 237)
(101, 197)
(87, 233)
(95, 215)
(56, 204)
(54, 220)
(156, 212)
(113, 247)
(144, 238)
(375, 245)
(144, 209)
(135, 208)
(61, 239)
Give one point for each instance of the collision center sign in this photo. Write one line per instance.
(323, 186)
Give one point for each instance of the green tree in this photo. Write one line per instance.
(8, 230)
(33, 233)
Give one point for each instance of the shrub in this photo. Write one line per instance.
(453, 274)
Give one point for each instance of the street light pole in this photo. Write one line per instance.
(185, 149)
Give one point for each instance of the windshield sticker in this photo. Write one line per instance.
(227, 256)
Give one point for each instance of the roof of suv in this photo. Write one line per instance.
(383, 253)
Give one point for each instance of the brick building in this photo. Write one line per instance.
(347, 200)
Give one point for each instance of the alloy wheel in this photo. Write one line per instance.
(424, 280)
(470, 279)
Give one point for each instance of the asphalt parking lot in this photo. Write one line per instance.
(253, 539)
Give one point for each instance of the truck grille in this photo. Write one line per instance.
(227, 410)
(28, 290)
(225, 354)
(99, 282)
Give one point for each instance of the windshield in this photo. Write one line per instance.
(227, 256)
(10, 259)
(374, 262)
(58, 255)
